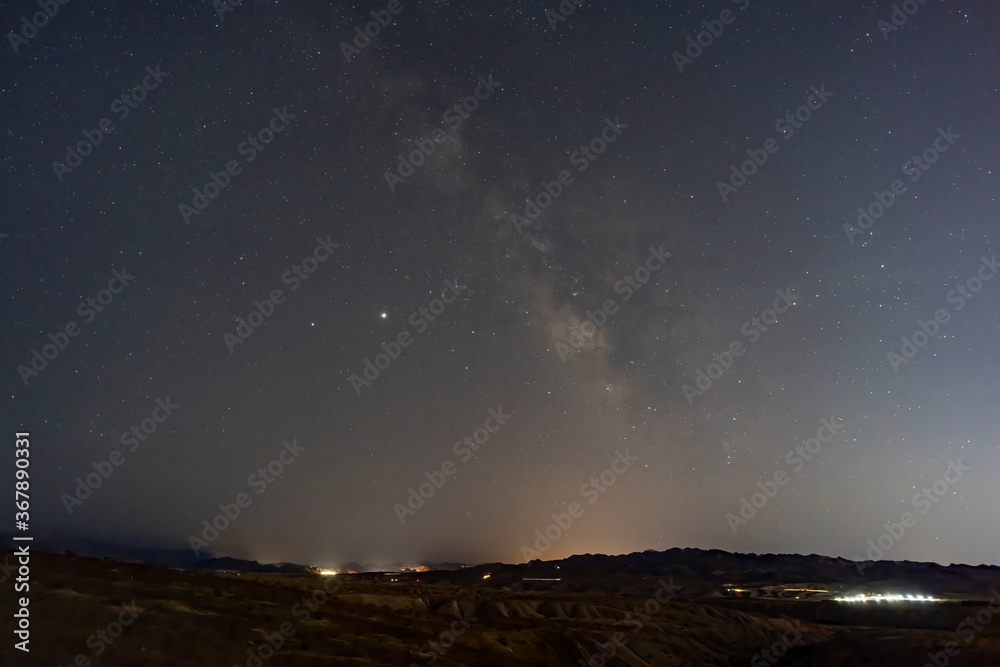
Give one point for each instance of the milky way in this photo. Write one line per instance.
(699, 234)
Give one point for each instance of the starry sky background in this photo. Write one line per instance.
(496, 346)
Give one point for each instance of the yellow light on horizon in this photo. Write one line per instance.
(327, 572)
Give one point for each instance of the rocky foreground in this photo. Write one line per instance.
(88, 611)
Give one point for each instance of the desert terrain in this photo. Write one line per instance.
(682, 607)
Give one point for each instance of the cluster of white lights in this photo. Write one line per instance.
(886, 598)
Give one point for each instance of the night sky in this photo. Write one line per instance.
(580, 265)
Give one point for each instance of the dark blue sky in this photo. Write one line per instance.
(623, 154)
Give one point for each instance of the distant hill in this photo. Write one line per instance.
(57, 542)
(721, 567)
(240, 565)
(422, 566)
(712, 567)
